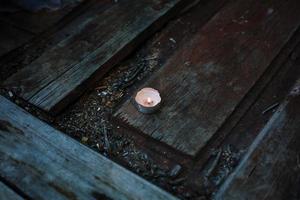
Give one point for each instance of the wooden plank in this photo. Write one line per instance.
(37, 22)
(205, 80)
(270, 168)
(46, 164)
(249, 118)
(64, 71)
(6, 193)
(70, 25)
(11, 38)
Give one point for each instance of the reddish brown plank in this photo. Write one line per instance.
(270, 169)
(204, 81)
(64, 71)
(242, 127)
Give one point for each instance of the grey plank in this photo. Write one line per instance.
(46, 164)
(270, 168)
(204, 81)
(101, 40)
(7, 194)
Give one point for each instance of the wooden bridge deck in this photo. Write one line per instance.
(228, 72)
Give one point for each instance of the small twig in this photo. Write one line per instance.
(270, 108)
(150, 58)
(101, 87)
(213, 165)
(177, 181)
(106, 141)
(130, 80)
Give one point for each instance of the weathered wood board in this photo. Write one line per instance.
(205, 80)
(44, 163)
(6, 193)
(66, 70)
(270, 168)
(37, 22)
(241, 129)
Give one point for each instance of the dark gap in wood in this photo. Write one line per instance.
(15, 189)
(252, 171)
(155, 145)
(32, 109)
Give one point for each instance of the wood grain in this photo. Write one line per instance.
(205, 80)
(44, 163)
(6, 193)
(65, 71)
(270, 168)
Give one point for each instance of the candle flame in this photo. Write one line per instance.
(149, 100)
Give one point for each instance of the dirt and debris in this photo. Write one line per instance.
(89, 121)
(218, 167)
(226, 161)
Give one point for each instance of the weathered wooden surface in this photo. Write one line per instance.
(36, 22)
(270, 169)
(205, 80)
(11, 37)
(7, 194)
(250, 117)
(46, 164)
(65, 28)
(64, 71)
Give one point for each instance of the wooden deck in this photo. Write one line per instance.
(228, 73)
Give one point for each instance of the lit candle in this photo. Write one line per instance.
(147, 100)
